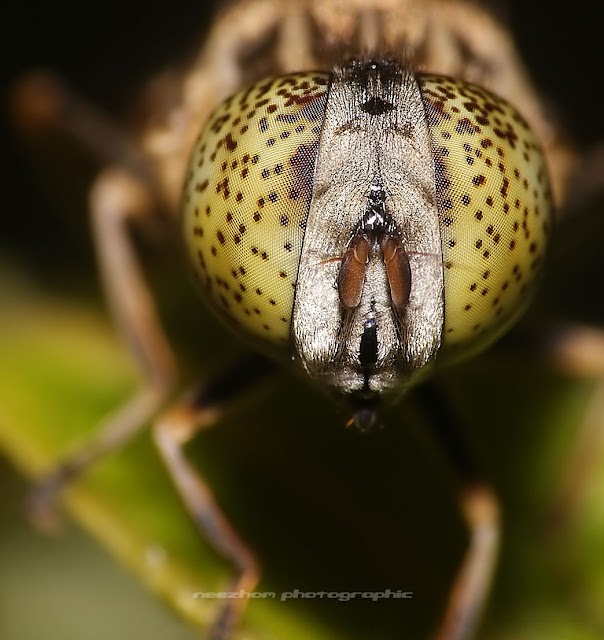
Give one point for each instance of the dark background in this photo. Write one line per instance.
(105, 50)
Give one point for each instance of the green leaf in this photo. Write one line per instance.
(327, 509)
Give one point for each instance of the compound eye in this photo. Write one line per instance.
(494, 207)
(247, 196)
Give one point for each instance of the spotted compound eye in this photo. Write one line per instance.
(494, 207)
(247, 196)
(266, 164)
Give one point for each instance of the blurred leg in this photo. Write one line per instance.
(480, 509)
(117, 198)
(172, 432)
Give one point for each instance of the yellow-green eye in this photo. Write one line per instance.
(247, 198)
(494, 208)
(373, 219)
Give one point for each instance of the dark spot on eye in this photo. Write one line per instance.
(284, 220)
(504, 188)
(270, 142)
(265, 173)
(287, 246)
(284, 135)
(288, 117)
(230, 144)
(257, 216)
(465, 126)
(479, 180)
(273, 197)
(278, 169)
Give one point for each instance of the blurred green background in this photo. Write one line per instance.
(325, 507)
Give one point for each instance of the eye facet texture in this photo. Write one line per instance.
(494, 207)
(246, 199)
(251, 182)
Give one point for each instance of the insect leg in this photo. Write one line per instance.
(172, 431)
(576, 350)
(480, 509)
(117, 197)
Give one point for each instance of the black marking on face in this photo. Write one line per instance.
(376, 106)
(368, 349)
(376, 222)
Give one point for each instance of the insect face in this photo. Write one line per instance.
(372, 220)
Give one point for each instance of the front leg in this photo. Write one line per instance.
(117, 198)
(172, 432)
